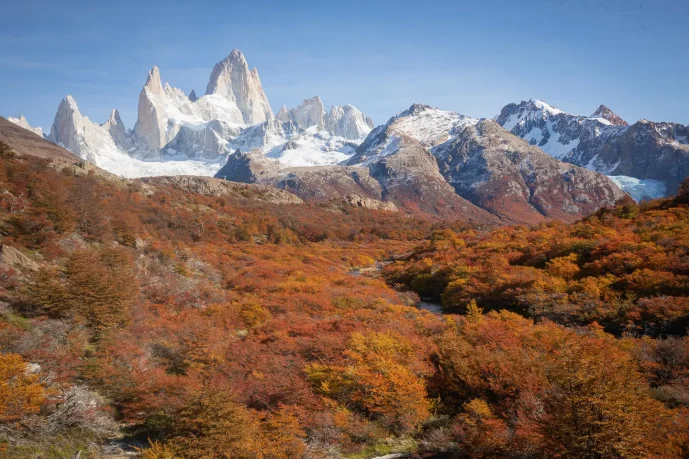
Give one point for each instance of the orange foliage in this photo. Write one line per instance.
(231, 327)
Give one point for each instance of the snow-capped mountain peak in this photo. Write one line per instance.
(553, 130)
(180, 133)
(605, 113)
(232, 79)
(544, 107)
(430, 126)
(639, 155)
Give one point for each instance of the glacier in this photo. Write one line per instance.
(640, 189)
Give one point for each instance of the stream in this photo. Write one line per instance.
(435, 308)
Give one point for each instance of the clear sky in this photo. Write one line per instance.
(381, 56)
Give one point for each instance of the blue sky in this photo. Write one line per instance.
(469, 56)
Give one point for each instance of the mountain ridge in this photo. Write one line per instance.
(177, 133)
(604, 142)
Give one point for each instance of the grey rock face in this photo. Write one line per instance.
(310, 113)
(151, 124)
(116, 129)
(208, 142)
(320, 183)
(518, 182)
(232, 79)
(326, 182)
(348, 122)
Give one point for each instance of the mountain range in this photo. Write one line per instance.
(530, 163)
(655, 152)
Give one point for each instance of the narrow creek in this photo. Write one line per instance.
(435, 308)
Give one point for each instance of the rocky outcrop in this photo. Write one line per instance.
(232, 79)
(248, 167)
(9, 256)
(327, 182)
(314, 183)
(355, 200)
(24, 123)
(208, 186)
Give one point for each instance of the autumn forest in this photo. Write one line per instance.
(140, 316)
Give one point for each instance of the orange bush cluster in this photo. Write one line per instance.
(625, 268)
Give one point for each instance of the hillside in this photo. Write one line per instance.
(29, 143)
(195, 318)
